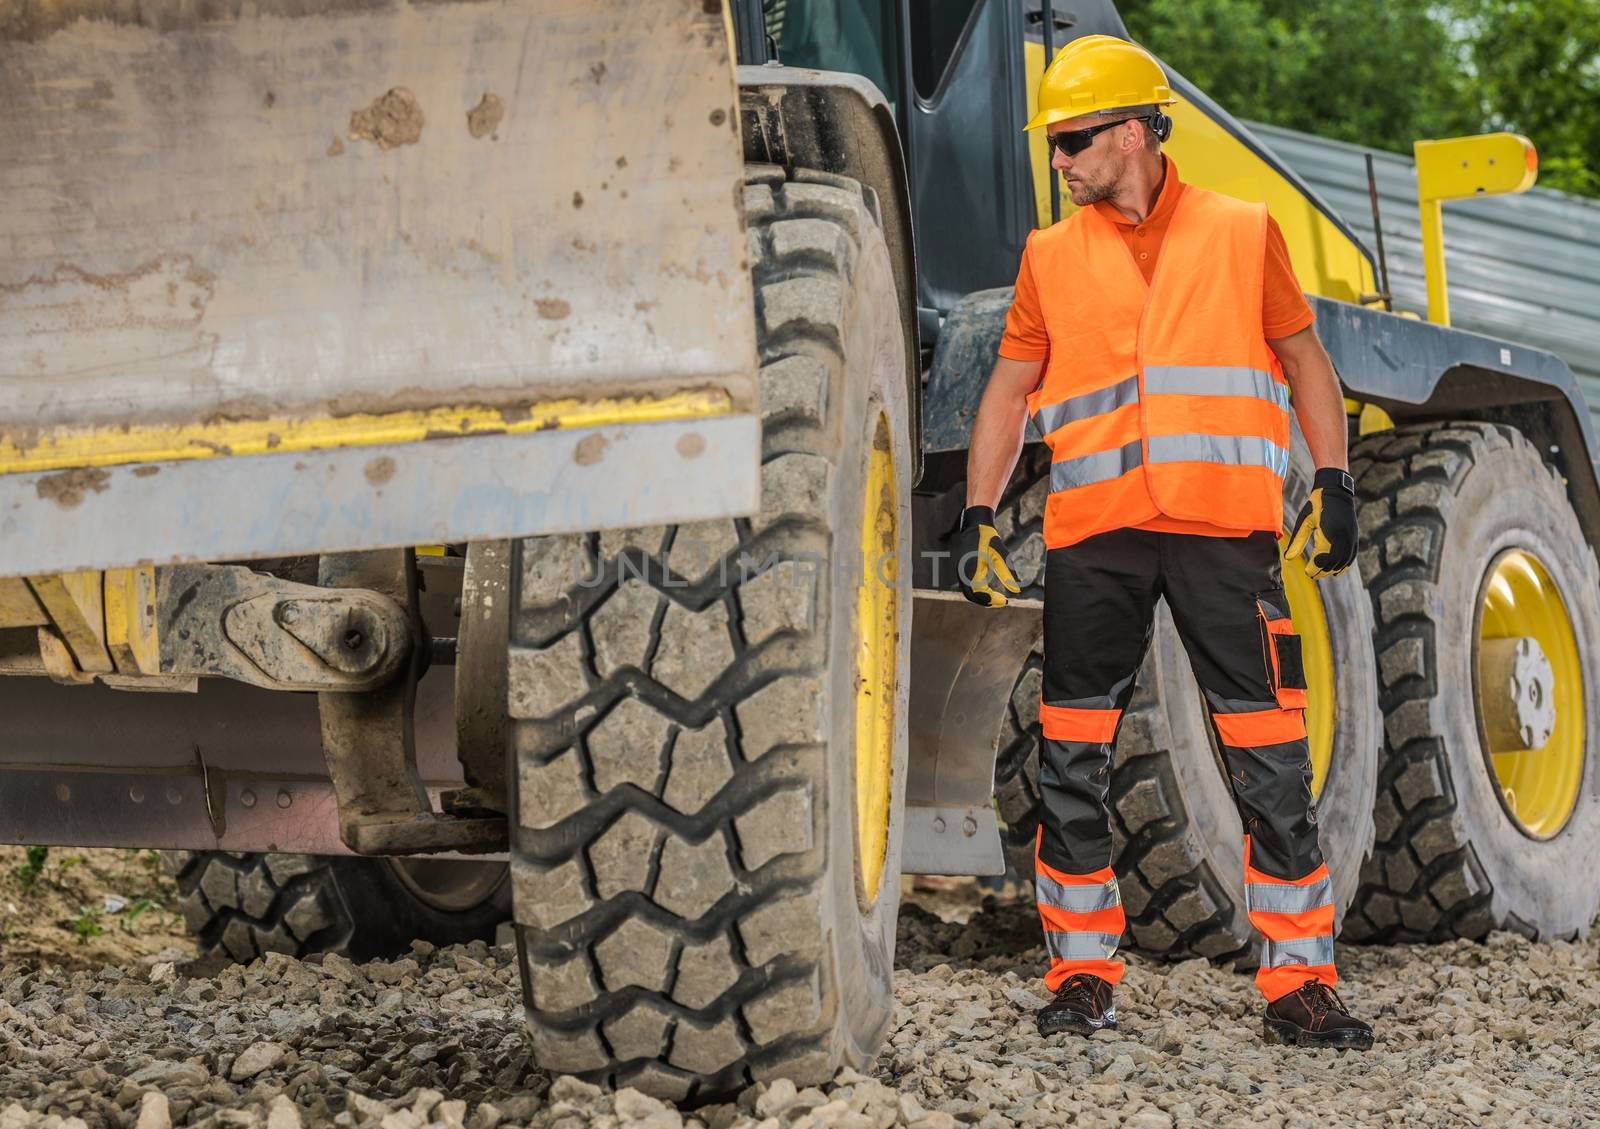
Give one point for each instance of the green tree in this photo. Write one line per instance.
(1383, 73)
(1534, 68)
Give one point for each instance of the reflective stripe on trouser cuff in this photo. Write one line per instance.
(1280, 897)
(1081, 946)
(1309, 951)
(1212, 380)
(1081, 915)
(1294, 917)
(1074, 898)
(1102, 466)
(1230, 450)
(1063, 723)
(1096, 403)
(1262, 727)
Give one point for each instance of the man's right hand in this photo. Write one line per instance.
(981, 566)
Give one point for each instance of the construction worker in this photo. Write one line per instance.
(1155, 339)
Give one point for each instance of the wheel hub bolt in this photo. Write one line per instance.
(1516, 683)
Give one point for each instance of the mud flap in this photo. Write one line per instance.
(964, 661)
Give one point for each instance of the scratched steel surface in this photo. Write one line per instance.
(233, 214)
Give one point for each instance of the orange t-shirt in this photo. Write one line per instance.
(1284, 309)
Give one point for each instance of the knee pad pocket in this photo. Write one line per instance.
(1281, 648)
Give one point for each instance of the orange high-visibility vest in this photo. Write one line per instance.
(1160, 398)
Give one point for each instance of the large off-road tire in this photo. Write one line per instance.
(1178, 842)
(241, 906)
(695, 898)
(1441, 504)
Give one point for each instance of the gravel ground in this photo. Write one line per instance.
(1504, 1033)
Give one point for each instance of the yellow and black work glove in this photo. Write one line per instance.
(981, 566)
(1327, 523)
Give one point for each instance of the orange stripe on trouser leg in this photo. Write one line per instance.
(1108, 921)
(1082, 919)
(1260, 727)
(1287, 926)
(1063, 723)
(1275, 983)
(1295, 919)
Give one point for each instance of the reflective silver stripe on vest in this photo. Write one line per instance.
(1230, 450)
(1102, 466)
(1275, 897)
(1081, 946)
(1303, 950)
(1076, 899)
(1210, 380)
(1095, 403)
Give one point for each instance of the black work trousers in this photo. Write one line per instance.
(1227, 601)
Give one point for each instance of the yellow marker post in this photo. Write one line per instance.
(1459, 168)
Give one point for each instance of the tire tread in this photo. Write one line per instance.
(302, 892)
(1424, 881)
(727, 948)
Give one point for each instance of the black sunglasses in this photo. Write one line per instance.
(1074, 141)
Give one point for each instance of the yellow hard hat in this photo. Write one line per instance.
(1099, 72)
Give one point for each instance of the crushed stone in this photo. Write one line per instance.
(1503, 1033)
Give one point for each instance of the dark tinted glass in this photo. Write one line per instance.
(936, 27)
(837, 35)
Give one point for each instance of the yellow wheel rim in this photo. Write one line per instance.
(1316, 652)
(877, 643)
(1539, 787)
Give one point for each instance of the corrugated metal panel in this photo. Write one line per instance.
(1525, 268)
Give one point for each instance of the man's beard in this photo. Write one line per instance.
(1088, 193)
(1102, 187)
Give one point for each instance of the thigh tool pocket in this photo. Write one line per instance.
(1281, 649)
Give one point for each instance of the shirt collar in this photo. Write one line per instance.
(1166, 200)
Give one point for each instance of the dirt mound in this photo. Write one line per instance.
(86, 907)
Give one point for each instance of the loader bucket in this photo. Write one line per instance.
(298, 277)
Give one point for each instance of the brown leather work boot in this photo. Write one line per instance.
(1313, 1015)
(1082, 1005)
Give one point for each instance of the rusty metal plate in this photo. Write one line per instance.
(254, 229)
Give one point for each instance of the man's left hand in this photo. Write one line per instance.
(1327, 523)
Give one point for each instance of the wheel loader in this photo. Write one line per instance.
(503, 452)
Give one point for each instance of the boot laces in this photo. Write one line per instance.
(1078, 990)
(1321, 999)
